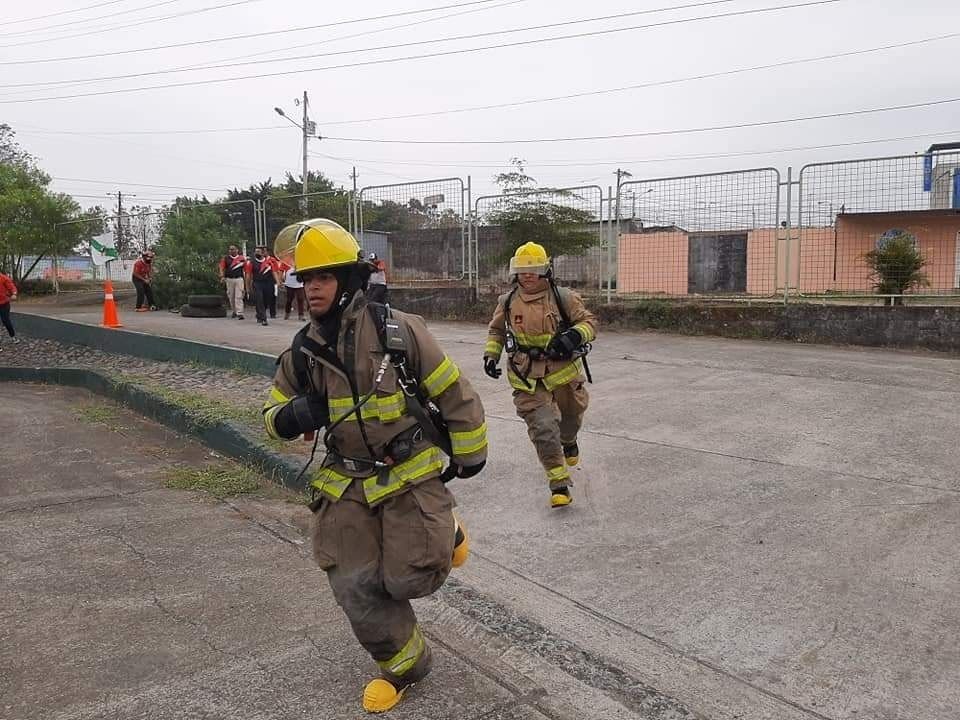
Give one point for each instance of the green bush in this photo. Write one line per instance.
(34, 288)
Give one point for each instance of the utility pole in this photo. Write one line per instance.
(354, 211)
(306, 123)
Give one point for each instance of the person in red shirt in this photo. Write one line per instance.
(142, 277)
(263, 276)
(232, 266)
(8, 292)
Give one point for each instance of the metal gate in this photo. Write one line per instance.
(710, 235)
(420, 228)
(568, 222)
(879, 226)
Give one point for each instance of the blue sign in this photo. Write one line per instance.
(956, 190)
(927, 173)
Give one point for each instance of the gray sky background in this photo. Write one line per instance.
(72, 137)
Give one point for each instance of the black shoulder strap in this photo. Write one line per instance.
(506, 306)
(301, 369)
(379, 314)
(564, 316)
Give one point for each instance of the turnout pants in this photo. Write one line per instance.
(553, 419)
(235, 294)
(378, 559)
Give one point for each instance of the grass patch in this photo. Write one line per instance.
(216, 481)
(205, 410)
(98, 415)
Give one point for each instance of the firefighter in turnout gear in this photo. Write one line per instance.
(546, 332)
(386, 399)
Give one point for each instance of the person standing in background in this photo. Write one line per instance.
(231, 275)
(377, 287)
(294, 288)
(142, 278)
(262, 280)
(8, 292)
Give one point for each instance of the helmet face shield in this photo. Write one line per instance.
(530, 258)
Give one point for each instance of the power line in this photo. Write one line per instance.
(147, 21)
(640, 86)
(396, 46)
(247, 36)
(62, 12)
(472, 163)
(135, 184)
(445, 53)
(652, 133)
(86, 20)
(200, 131)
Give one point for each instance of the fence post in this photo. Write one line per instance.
(786, 262)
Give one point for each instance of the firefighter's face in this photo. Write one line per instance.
(320, 287)
(530, 281)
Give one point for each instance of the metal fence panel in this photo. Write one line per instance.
(568, 222)
(420, 229)
(280, 211)
(712, 235)
(866, 225)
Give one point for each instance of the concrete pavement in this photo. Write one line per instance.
(761, 530)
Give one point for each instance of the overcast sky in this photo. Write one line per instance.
(81, 138)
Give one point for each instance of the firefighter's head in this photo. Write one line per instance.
(328, 261)
(530, 266)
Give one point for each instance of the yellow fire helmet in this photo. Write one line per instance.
(530, 258)
(316, 244)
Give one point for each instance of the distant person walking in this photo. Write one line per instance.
(142, 279)
(232, 266)
(377, 286)
(262, 280)
(8, 292)
(294, 288)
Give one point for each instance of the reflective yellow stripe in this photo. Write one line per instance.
(445, 375)
(409, 654)
(585, 331)
(558, 473)
(421, 464)
(493, 347)
(277, 397)
(517, 384)
(269, 415)
(540, 341)
(331, 482)
(564, 375)
(469, 441)
(385, 409)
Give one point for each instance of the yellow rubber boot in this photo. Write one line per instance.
(560, 497)
(380, 695)
(571, 453)
(461, 544)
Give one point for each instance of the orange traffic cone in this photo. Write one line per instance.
(110, 318)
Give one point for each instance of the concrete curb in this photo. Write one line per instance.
(144, 345)
(224, 437)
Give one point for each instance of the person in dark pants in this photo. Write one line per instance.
(8, 292)
(377, 287)
(262, 280)
(142, 278)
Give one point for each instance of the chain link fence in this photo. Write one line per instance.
(881, 226)
(714, 235)
(281, 210)
(568, 222)
(419, 229)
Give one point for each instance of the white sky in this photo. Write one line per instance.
(66, 134)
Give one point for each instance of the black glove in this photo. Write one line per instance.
(491, 369)
(303, 414)
(563, 344)
(461, 471)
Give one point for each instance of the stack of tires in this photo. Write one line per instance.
(204, 306)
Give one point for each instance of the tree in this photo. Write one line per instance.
(188, 252)
(528, 213)
(896, 265)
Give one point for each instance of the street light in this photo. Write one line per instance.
(307, 128)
